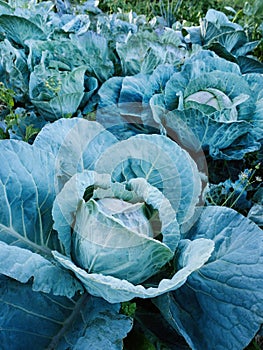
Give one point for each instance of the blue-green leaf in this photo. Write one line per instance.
(27, 194)
(99, 62)
(192, 255)
(135, 52)
(51, 322)
(221, 305)
(27, 238)
(21, 264)
(13, 70)
(162, 163)
(250, 65)
(76, 144)
(19, 29)
(195, 130)
(5, 8)
(255, 82)
(105, 328)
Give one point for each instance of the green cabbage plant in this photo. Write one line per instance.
(209, 104)
(88, 222)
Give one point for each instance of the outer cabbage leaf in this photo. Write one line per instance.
(56, 94)
(121, 99)
(60, 323)
(256, 211)
(5, 8)
(105, 327)
(79, 24)
(90, 98)
(162, 163)
(27, 195)
(14, 71)
(195, 130)
(27, 238)
(250, 65)
(157, 81)
(21, 264)
(57, 52)
(145, 50)
(255, 82)
(76, 144)
(132, 90)
(220, 306)
(220, 19)
(120, 106)
(256, 214)
(19, 29)
(234, 41)
(139, 48)
(232, 46)
(193, 254)
(227, 39)
(96, 54)
(108, 112)
(124, 101)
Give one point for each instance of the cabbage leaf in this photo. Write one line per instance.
(220, 305)
(52, 322)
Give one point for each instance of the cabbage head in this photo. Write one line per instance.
(211, 100)
(116, 217)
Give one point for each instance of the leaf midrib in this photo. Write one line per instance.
(35, 247)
